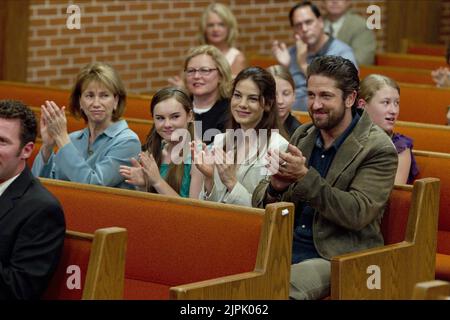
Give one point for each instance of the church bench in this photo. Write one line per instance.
(188, 249)
(92, 266)
(433, 164)
(408, 256)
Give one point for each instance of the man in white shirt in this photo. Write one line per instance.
(32, 225)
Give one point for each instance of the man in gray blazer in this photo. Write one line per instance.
(339, 171)
(341, 23)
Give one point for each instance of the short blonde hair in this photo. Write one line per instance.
(228, 18)
(105, 75)
(221, 63)
(374, 82)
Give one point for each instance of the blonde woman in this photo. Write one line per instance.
(218, 27)
(92, 155)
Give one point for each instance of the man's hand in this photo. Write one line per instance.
(302, 53)
(281, 53)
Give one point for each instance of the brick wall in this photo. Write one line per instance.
(145, 40)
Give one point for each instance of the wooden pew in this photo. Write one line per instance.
(141, 127)
(263, 61)
(429, 137)
(432, 290)
(408, 256)
(407, 75)
(415, 61)
(188, 249)
(429, 49)
(99, 260)
(424, 103)
(433, 164)
(137, 106)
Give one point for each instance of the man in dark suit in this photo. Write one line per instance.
(32, 225)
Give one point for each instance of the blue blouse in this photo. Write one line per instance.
(100, 164)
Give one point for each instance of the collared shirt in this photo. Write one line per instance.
(4, 185)
(321, 159)
(333, 27)
(97, 163)
(333, 47)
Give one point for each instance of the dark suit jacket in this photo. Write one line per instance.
(32, 229)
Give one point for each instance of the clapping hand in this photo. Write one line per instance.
(281, 53)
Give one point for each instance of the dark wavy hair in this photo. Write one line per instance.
(14, 109)
(342, 70)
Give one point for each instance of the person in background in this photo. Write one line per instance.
(285, 97)
(92, 155)
(341, 23)
(157, 171)
(219, 28)
(208, 79)
(379, 96)
(311, 41)
(441, 76)
(32, 224)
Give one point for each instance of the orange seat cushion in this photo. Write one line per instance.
(442, 267)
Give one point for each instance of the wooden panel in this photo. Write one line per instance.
(14, 39)
(421, 24)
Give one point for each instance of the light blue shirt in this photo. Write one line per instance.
(333, 47)
(99, 165)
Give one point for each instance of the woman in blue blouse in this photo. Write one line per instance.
(165, 165)
(92, 155)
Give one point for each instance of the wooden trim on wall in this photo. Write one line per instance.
(14, 22)
(415, 20)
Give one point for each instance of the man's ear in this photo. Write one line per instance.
(350, 99)
(26, 151)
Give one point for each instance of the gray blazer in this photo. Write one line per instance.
(355, 33)
(350, 201)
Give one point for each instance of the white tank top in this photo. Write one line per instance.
(231, 55)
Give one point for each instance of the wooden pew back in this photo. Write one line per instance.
(415, 61)
(174, 241)
(429, 49)
(137, 106)
(429, 137)
(407, 75)
(408, 256)
(433, 164)
(424, 103)
(98, 259)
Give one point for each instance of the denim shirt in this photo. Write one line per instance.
(97, 164)
(333, 47)
(321, 159)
